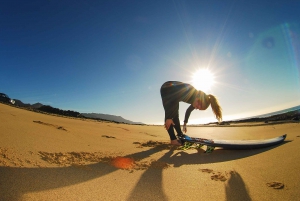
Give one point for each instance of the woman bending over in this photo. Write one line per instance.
(172, 92)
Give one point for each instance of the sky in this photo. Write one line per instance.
(111, 57)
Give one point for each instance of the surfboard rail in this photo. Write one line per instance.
(236, 144)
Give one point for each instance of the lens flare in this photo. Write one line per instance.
(203, 80)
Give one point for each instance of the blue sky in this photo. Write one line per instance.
(112, 57)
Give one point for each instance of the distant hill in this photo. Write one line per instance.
(21, 104)
(290, 114)
(109, 117)
(37, 105)
(46, 108)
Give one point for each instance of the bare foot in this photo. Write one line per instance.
(176, 142)
(276, 185)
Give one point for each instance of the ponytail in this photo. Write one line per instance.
(215, 106)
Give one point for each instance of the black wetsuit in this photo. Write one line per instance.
(172, 92)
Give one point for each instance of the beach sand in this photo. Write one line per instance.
(47, 157)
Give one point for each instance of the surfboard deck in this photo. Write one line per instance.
(235, 144)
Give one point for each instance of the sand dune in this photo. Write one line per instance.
(46, 157)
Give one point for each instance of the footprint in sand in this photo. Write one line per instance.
(275, 185)
(207, 170)
(156, 144)
(218, 176)
(46, 124)
(108, 136)
(149, 134)
(123, 128)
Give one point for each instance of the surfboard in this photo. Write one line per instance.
(234, 144)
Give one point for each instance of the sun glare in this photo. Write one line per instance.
(203, 80)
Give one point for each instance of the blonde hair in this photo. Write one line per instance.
(215, 106)
(207, 100)
(213, 101)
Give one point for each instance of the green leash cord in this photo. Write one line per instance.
(209, 149)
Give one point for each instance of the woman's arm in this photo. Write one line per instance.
(184, 128)
(188, 113)
(187, 116)
(168, 123)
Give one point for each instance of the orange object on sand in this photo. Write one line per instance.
(122, 162)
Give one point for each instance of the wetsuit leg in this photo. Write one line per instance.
(177, 128)
(167, 92)
(177, 125)
(172, 133)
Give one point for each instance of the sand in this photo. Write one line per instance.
(47, 157)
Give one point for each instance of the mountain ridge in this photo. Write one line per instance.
(109, 117)
(48, 108)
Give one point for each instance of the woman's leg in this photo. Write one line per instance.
(166, 92)
(171, 132)
(174, 140)
(177, 125)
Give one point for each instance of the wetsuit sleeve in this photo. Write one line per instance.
(188, 113)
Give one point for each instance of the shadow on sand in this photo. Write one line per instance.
(236, 189)
(149, 185)
(151, 180)
(218, 155)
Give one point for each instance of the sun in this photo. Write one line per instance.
(203, 80)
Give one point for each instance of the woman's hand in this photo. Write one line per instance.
(168, 123)
(184, 128)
